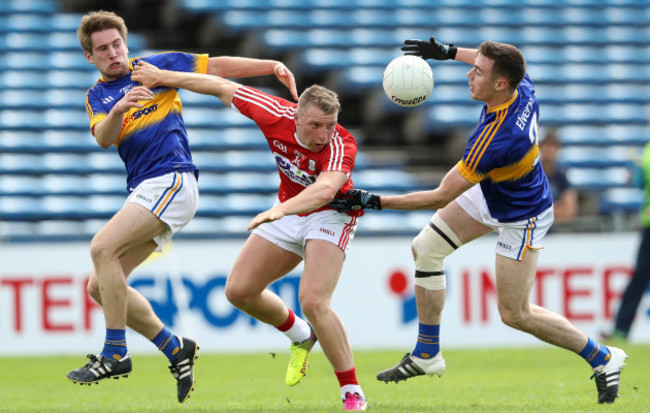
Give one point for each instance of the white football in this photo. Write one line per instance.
(408, 80)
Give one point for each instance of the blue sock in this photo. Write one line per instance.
(167, 343)
(595, 354)
(428, 344)
(115, 344)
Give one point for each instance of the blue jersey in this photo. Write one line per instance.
(153, 140)
(503, 155)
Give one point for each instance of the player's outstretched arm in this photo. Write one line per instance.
(241, 67)
(151, 77)
(310, 199)
(451, 186)
(433, 49)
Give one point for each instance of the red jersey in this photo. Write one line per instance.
(298, 166)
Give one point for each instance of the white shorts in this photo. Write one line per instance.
(173, 198)
(513, 237)
(292, 232)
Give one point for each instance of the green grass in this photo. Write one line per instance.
(506, 380)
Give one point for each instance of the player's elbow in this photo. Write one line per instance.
(104, 144)
(445, 194)
(328, 193)
(103, 139)
(324, 195)
(223, 89)
(440, 199)
(443, 202)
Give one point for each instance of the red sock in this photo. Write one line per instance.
(288, 323)
(347, 377)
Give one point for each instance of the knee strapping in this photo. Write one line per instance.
(430, 248)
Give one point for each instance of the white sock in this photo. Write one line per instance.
(299, 331)
(351, 388)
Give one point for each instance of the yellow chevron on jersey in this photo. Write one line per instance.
(484, 139)
(154, 112)
(516, 171)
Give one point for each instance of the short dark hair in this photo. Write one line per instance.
(509, 62)
(97, 21)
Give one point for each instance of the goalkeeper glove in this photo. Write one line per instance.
(358, 199)
(432, 49)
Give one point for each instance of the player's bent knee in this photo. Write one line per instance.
(100, 249)
(236, 296)
(430, 248)
(514, 319)
(93, 289)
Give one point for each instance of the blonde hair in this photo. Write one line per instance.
(97, 21)
(321, 97)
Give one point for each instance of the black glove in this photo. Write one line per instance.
(432, 49)
(358, 199)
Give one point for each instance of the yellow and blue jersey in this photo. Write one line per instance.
(153, 140)
(503, 156)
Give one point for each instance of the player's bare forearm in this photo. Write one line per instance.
(309, 200)
(414, 201)
(195, 82)
(316, 195)
(107, 131)
(241, 67)
(151, 77)
(451, 186)
(466, 55)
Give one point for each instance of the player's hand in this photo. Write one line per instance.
(432, 49)
(146, 74)
(358, 199)
(132, 99)
(286, 77)
(269, 215)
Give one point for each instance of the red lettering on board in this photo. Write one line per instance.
(570, 293)
(17, 285)
(488, 288)
(49, 303)
(608, 294)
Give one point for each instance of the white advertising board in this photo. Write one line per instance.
(44, 308)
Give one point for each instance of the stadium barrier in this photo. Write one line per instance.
(44, 308)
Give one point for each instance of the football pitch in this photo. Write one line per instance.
(506, 380)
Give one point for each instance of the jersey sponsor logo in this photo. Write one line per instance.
(281, 146)
(292, 171)
(140, 113)
(522, 119)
